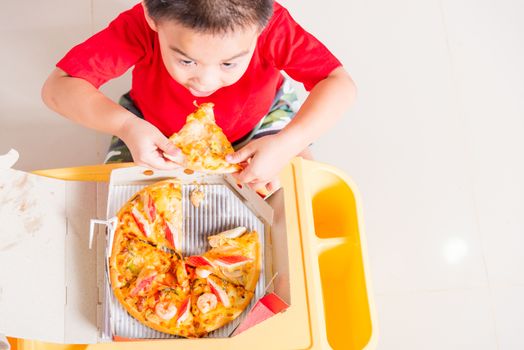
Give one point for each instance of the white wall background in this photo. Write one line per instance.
(434, 143)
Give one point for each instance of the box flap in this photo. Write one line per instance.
(279, 252)
(265, 308)
(9, 159)
(32, 256)
(48, 278)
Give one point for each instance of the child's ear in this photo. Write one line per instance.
(149, 20)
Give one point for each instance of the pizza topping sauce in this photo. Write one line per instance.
(169, 280)
(181, 272)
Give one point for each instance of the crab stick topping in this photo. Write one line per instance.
(171, 234)
(143, 282)
(184, 310)
(197, 260)
(232, 261)
(141, 222)
(149, 206)
(219, 292)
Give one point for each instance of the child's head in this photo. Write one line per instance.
(207, 44)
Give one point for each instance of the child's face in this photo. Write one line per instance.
(204, 63)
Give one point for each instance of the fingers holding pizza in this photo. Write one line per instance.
(263, 160)
(148, 145)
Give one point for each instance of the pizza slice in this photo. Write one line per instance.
(203, 143)
(216, 302)
(130, 256)
(161, 303)
(154, 214)
(171, 313)
(234, 257)
(152, 285)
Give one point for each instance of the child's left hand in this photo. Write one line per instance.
(265, 157)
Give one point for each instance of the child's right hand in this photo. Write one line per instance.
(147, 144)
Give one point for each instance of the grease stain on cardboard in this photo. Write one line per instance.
(18, 206)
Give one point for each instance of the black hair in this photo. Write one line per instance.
(212, 16)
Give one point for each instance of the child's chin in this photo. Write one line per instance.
(198, 93)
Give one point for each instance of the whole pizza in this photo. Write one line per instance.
(185, 296)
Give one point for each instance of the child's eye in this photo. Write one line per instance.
(229, 65)
(186, 62)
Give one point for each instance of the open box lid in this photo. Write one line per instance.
(44, 255)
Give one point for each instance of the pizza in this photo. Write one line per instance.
(165, 290)
(145, 280)
(216, 302)
(203, 143)
(234, 257)
(154, 214)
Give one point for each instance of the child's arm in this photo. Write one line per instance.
(325, 105)
(78, 100)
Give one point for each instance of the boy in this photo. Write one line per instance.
(229, 52)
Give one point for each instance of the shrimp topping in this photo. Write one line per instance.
(207, 302)
(166, 310)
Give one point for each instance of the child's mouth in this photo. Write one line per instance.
(198, 93)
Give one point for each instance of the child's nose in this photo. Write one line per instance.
(208, 80)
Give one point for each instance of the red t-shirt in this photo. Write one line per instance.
(129, 41)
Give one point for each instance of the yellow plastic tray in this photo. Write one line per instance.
(335, 255)
(332, 306)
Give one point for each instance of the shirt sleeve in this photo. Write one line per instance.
(112, 51)
(292, 49)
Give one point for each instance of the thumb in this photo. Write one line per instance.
(169, 150)
(242, 155)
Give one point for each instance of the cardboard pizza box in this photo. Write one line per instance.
(54, 255)
(51, 283)
(226, 205)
